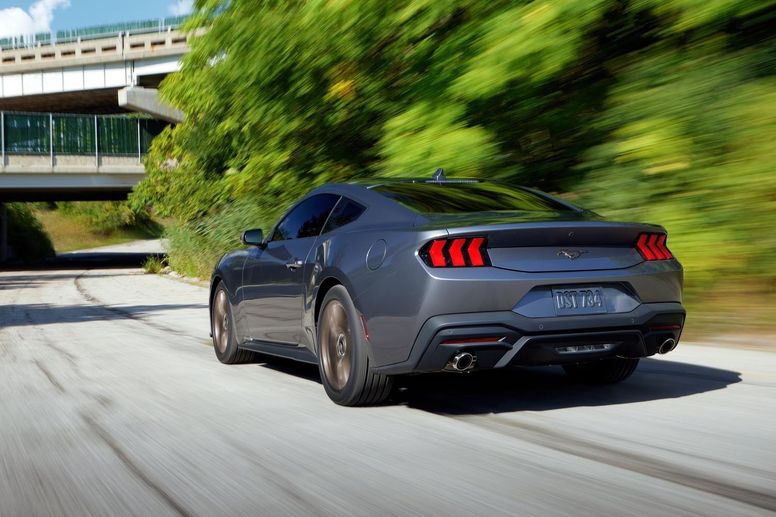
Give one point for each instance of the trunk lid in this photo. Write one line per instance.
(549, 242)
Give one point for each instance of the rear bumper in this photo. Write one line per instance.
(520, 340)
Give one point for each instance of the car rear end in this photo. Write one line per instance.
(547, 285)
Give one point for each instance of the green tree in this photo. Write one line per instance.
(650, 110)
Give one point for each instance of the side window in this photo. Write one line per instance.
(345, 212)
(306, 219)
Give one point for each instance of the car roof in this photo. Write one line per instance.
(371, 183)
(363, 191)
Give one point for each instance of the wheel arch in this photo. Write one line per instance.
(214, 283)
(324, 288)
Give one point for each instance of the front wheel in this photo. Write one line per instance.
(223, 331)
(602, 371)
(343, 359)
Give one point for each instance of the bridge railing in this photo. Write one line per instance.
(50, 134)
(90, 33)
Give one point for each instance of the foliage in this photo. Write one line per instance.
(71, 231)
(691, 147)
(650, 110)
(106, 217)
(153, 265)
(197, 245)
(26, 237)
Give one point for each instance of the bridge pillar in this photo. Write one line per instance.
(3, 233)
(146, 100)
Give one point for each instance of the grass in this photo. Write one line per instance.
(153, 265)
(69, 233)
(730, 312)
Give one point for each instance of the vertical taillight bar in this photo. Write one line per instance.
(652, 246)
(475, 250)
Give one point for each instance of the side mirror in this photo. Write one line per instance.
(252, 238)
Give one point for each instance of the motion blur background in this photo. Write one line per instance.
(661, 111)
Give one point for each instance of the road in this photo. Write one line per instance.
(113, 403)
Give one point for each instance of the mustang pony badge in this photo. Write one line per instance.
(571, 254)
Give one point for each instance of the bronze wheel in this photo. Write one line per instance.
(224, 331)
(343, 353)
(221, 321)
(336, 345)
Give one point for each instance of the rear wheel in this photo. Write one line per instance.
(343, 359)
(222, 328)
(603, 371)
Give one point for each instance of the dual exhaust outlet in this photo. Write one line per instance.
(465, 361)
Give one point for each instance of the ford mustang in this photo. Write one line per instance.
(374, 280)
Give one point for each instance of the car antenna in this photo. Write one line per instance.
(439, 175)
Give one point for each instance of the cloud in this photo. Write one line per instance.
(15, 21)
(181, 7)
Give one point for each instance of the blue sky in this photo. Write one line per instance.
(16, 15)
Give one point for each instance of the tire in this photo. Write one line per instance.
(343, 358)
(603, 371)
(222, 328)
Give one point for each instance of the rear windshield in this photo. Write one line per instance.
(451, 198)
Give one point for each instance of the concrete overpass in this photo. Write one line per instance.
(98, 73)
(53, 152)
(61, 157)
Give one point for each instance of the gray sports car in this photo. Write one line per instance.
(387, 278)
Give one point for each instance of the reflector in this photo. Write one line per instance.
(462, 341)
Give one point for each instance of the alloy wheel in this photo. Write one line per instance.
(336, 345)
(221, 321)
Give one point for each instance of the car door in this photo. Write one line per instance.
(274, 277)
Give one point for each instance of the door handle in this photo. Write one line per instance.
(294, 264)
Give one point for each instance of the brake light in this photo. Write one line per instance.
(436, 255)
(475, 255)
(460, 252)
(652, 246)
(455, 253)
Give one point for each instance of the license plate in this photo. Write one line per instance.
(569, 302)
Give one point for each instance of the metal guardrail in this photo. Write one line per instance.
(41, 134)
(91, 33)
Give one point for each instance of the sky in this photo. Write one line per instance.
(19, 17)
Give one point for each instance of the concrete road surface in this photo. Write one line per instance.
(113, 403)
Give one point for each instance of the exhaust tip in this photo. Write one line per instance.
(462, 362)
(667, 345)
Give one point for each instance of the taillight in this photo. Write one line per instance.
(652, 246)
(460, 252)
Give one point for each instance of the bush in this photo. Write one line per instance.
(106, 217)
(154, 264)
(659, 111)
(195, 247)
(26, 238)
